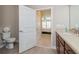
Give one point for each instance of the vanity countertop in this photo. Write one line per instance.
(71, 39)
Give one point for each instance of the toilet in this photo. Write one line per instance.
(6, 36)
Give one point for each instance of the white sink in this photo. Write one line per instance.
(66, 33)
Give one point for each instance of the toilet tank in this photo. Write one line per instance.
(6, 35)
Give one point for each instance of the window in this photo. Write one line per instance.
(46, 22)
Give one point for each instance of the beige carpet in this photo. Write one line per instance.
(45, 40)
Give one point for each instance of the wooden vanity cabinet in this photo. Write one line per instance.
(62, 46)
(59, 44)
(68, 50)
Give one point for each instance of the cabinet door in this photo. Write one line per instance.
(66, 52)
(61, 49)
(58, 46)
(68, 49)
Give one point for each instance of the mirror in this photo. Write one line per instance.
(74, 16)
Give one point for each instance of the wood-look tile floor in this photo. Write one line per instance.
(43, 46)
(10, 51)
(40, 50)
(45, 40)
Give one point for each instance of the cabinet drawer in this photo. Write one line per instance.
(61, 49)
(58, 37)
(62, 46)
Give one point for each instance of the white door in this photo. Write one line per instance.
(27, 28)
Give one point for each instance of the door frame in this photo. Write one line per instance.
(52, 30)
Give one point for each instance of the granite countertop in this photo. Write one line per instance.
(71, 39)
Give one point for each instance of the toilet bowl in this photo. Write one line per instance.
(6, 36)
(10, 43)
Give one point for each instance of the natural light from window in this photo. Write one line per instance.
(46, 22)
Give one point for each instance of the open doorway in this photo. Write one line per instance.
(44, 28)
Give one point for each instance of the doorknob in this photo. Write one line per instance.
(20, 31)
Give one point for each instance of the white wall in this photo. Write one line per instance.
(60, 16)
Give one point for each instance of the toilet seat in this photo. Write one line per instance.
(10, 40)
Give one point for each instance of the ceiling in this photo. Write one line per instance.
(39, 6)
